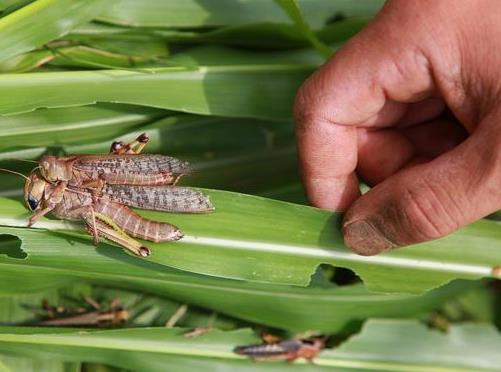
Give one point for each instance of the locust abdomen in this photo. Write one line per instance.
(135, 225)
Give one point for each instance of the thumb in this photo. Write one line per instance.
(431, 200)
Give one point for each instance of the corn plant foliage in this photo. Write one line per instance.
(62, 259)
(212, 82)
(464, 347)
(203, 13)
(42, 260)
(207, 142)
(263, 240)
(238, 91)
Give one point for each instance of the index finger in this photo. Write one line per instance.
(363, 85)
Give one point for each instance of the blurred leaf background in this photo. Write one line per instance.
(212, 82)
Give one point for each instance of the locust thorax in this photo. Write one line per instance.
(55, 169)
(34, 191)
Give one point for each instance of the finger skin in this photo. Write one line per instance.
(351, 90)
(430, 200)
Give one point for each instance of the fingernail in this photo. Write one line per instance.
(363, 238)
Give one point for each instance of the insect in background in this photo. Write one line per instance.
(288, 350)
(98, 189)
(92, 315)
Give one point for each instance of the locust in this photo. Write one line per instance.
(99, 189)
(96, 316)
(287, 350)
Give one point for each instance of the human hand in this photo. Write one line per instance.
(412, 104)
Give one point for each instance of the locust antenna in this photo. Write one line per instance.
(34, 169)
(14, 172)
(25, 160)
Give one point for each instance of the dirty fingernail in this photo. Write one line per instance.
(363, 238)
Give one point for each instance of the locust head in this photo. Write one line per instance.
(55, 169)
(35, 188)
(34, 191)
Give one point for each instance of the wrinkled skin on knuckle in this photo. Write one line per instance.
(428, 216)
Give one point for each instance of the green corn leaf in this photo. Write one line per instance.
(42, 21)
(382, 345)
(196, 13)
(264, 240)
(45, 259)
(239, 91)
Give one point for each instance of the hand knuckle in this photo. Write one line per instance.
(427, 214)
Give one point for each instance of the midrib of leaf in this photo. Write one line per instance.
(306, 251)
(319, 253)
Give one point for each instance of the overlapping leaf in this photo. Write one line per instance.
(413, 346)
(55, 258)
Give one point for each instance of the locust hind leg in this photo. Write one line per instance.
(135, 147)
(90, 301)
(112, 232)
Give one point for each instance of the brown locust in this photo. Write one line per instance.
(288, 350)
(99, 189)
(95, 316)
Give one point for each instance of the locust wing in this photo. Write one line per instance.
(269, 350)
(160, 198)
(132, 169)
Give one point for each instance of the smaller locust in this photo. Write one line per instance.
(97, 316)
(288, 350)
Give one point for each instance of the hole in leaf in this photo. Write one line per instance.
(10, 246)
(327, 275)
(344, 276)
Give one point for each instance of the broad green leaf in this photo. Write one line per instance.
(42, 21)
(264, 240)
(389, 345)
(203, 13)
(70, 257)
(239, 91)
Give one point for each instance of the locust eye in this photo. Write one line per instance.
(32, 202)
